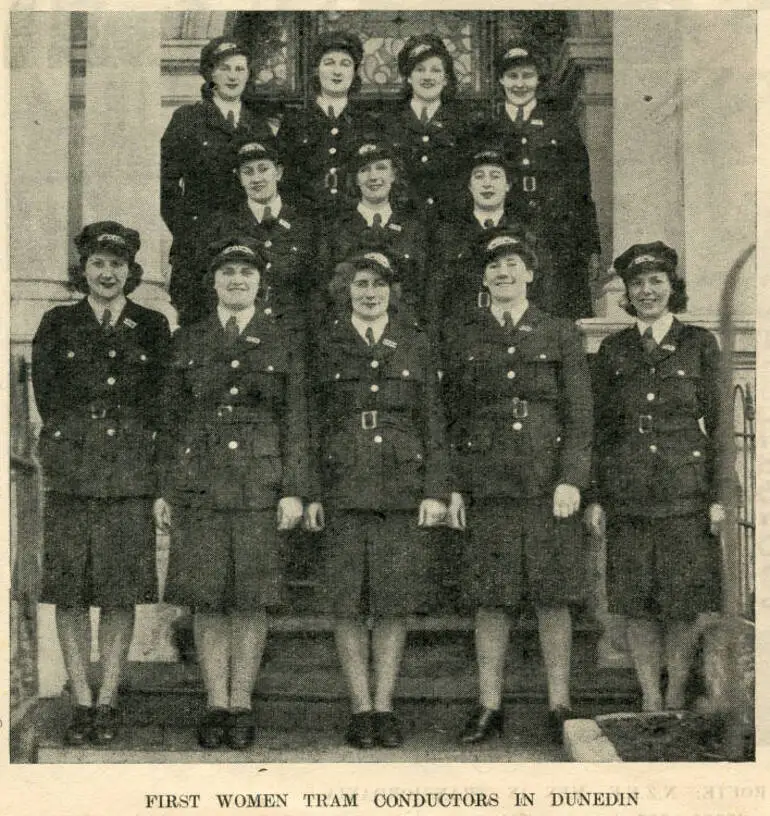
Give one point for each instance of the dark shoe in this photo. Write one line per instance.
(211, 731)
(556, 720)
(360, 733)
(240, 730)
(106, 724)
(79, 729)
(483, 724)
(387, 731)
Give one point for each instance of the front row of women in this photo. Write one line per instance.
(495, 439)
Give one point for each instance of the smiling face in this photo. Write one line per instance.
(236, 283)
(369, 295)
(336, 72)
(375, 181)
(520, 83)
(489, 186)
(259, 178)
(649, 293)
(507, 277)
(229, 77)
(428, 79)
(106, 275)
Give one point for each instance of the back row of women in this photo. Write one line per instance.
(233, 433)
(422, 180)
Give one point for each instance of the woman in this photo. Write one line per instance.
(196, 160)
(97, 368)
(380, 220)
(383, 479)
(550, 183)
(322, 138)
(430, 130)
(655, 385)
(521, 418)
(233, 456)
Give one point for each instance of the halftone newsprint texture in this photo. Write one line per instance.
(371, 494)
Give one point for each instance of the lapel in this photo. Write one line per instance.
(214, 118)
(670, 342)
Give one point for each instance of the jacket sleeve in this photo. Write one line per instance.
(44, 370)
(174, 397)
(295, 439)
(437, 465)
(577, 410)
(173, 159)
(721, 482)
(584, 224)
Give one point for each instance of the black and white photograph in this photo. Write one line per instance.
(383, 391)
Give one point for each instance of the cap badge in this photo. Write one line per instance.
(226, 46)
(419, 49)
(366, 149)
(378, 258)
(111, 238)
(513, 53)
(252, 147)
(238, 248)
(487, 156)
(502, 240)
(128, 322)
(644, 259)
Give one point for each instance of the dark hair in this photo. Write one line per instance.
(76, 275)
(399, 191)
(450, 89)
(315, 82)
(339, 288)
(677, 301)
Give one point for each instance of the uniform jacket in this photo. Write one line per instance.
(652, 456)
(288, 243)
(197, 154)
(380, 423)
(235, 435)
(551, 182)
(318, 150)
(433, 153)
(520, 405)
(99, 397)
(402, 239)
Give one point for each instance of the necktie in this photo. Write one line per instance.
(107, 321)
(330, 113)
(507, 322)
(488, 224)
(519, 120)
(231, 330)
(231, 118)
(369, 335)
(377, 221)
(267, 216)
(424, 115)
(648, 341)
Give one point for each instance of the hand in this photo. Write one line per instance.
(566, 500)
(314, 517)
(456, 512)
(161, 513)
(594, 266)
(289, 512)
(716, 517)
(594, 520)
(431, 513)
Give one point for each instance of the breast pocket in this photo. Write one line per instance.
(682, 475)
(404, 462)
(679, 388)
(542, 366)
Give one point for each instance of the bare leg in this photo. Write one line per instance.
(555, 628)
(493, 628)
(248, 633)
(116, 627)
(680, 642)
(388, 640)
(74, 627)
(352, 638)
(645, 642)
(212, 642)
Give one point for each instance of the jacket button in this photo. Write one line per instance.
(374, 364)
(332, 151)
(235, 364)
(523, 139)
(378, 439)
(57, 434)
(424, 159)
(426, 138)
(680, 373)
(696, 454)
(525, 162)
(652, 370)
(110, 432)
(110, 381)
(405, 372)
(374, 388)
(333, 191)
(511, 375)
(234, 391)
(143, 358)
(270, 368)
(511, 349)
(70, 355)
(268, 244)
(232, 444)
(517, 426)
(111, 353)
(334, 131)
(187, 451)
(653, 448)
(337, 375)
(650, 397)
(430, 201)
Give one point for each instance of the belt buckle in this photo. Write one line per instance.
(368, 420)
(223, 410)
(483, 300)
(330, 179)
(98, 413)
(529, 183)
(645, 423)
(520, 408)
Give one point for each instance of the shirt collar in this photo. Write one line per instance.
(377, 326)
(512, 109)
(484, 215)
(430, 107)
(338, 105)
(116, 309)
(225, 107)
(516, 313)
(660, 328)
(258, 209)
(368, 212)
(242, 317)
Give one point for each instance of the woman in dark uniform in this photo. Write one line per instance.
(383, 476)
(196, 161)
(320, 140)
(519, 396)
(550, 183)
(234, 448)
(381, 220)
(97, 367)
(656, 392)
(430, 129)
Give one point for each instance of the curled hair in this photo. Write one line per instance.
(315, 82)
(76, 275)
(677, 302)
(339, 289)
(399, 191)
(448, 92)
